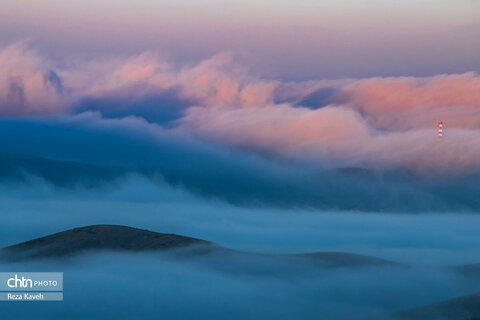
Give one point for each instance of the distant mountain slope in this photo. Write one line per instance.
(333, 259)
(460, 308)
(468, 270)
(97, 237)
(59, 173)
(123, 238)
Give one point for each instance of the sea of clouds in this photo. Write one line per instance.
(218, 286)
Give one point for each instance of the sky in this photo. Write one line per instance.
(301, 40)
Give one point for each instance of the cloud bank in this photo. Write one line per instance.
(222, 132)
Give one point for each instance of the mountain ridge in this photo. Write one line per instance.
(128, 239)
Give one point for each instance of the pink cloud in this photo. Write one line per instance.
(408, 103)
(281, 129)
(404, 93)
(335, 137)
(27, 84)
(215, 82)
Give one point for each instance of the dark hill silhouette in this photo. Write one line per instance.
(97, 237)
(459, 308)
(468, 270)
(123, 238)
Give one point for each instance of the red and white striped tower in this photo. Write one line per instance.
(440, 130)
